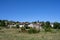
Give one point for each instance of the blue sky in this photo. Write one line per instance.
(30, 10)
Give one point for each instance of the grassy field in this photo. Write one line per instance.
(14, 34)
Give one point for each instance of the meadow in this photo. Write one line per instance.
(14, 34)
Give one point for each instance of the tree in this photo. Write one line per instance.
(26, 26)
(2, 23)
(34, 22)
(17, 26)
(42, 24)
(56, 25)
(47, 26)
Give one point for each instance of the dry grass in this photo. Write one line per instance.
(13, 34)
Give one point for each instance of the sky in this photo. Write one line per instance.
(30, 10)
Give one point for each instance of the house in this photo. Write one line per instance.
(10, 26)
(31, 25)
(21, 25)
(37, 25)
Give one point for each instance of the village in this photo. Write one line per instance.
(35, 24)
(21, 24)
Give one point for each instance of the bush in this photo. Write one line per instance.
(33, 30)
(23, 29)
(13, 27)
(0, 28)
(56, 25)
(47, 27)
(48, 30)
(17, 26)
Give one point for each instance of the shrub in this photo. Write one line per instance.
(17, 26)
(47, 27)
(0, 28)
(23, 29)
(33, 30)
(48, 30)
(26, 26)
(13, 27)
(56, 25)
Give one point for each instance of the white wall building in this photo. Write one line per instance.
(31, 25)
(38, 26)
(10, 26)
(21, 25)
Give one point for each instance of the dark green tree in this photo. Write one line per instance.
(56, 25)
(47, 26)
(26, 26)
(42, 24)
(2, 23)
(17, 26)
